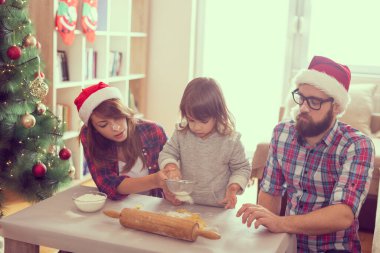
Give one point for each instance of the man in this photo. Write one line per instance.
(324, 167)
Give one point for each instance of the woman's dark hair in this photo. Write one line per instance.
(103, 150)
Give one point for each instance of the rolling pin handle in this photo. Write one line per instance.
(209, 234)
(112, 214)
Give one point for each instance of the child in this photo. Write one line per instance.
(206, 148)
(121, 151)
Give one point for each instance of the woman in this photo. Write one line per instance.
(121, 151)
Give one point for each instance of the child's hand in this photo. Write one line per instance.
(169, 196)
(230, 199)
(172, 171)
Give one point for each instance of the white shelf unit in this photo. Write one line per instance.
(122, 27)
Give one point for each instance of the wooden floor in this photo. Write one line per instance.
(249, 196)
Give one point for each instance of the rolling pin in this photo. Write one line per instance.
(161, 224)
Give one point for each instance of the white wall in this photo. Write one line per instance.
(170, 59)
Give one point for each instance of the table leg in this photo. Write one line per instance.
(18, 246)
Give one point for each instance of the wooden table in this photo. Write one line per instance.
(55, 222)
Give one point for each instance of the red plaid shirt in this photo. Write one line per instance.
(337, 170)
(107, 178)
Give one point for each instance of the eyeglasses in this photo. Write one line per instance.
(313, 102)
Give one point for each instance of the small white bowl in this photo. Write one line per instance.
(91, 201)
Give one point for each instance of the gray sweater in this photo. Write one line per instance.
(213, 162)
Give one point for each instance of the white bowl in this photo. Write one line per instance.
(91, 201)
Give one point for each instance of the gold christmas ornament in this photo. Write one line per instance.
(28, 121)
(30, 41)
(52, 149)
(40, 108)
(38, 88)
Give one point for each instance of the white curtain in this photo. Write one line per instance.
(242, 45)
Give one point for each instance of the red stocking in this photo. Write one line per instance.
(66, 19)
(90, 18)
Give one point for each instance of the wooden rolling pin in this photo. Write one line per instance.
(161, 224)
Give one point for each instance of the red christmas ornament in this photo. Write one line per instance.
(41, 108)
(42, 75)
(14, 52)
(65, 153)
(39, 170)
(2, 1)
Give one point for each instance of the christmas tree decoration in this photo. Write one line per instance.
(39, 74)
(30, 41)
(71, 172)
(19, 4)
(66, 20)
(14, 52)
(65, 153)
(38, 88)
(27, 127)
(40, 108)
(28, 120)
(90, 19)
(52, 149)
(39, 170)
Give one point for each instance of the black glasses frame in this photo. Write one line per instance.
(311, 105)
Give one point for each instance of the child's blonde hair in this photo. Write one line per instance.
(202, 100)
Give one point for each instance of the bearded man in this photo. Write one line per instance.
(322, 165)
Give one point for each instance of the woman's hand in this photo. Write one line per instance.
(230, 199)
(172, 171)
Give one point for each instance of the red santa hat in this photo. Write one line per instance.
(330, 77)
(93, 96)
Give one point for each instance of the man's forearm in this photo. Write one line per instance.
(322, 221)
(272, 203)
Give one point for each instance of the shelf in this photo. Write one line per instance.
(68, 84)
(138, 34)
(122, 31)
(118, 34)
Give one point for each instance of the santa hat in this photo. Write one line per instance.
(330, 77)
(93, 96)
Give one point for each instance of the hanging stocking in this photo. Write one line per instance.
(90, 18)
(66, 20)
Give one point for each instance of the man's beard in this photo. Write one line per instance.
(312, 129)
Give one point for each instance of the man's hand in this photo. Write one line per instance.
(230, 198)
(261, 216)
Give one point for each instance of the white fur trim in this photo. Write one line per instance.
(96, 99)
(327, 84)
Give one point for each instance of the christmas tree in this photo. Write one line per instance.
(33, 159)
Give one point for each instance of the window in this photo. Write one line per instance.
(344, 30)
(242, 45)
